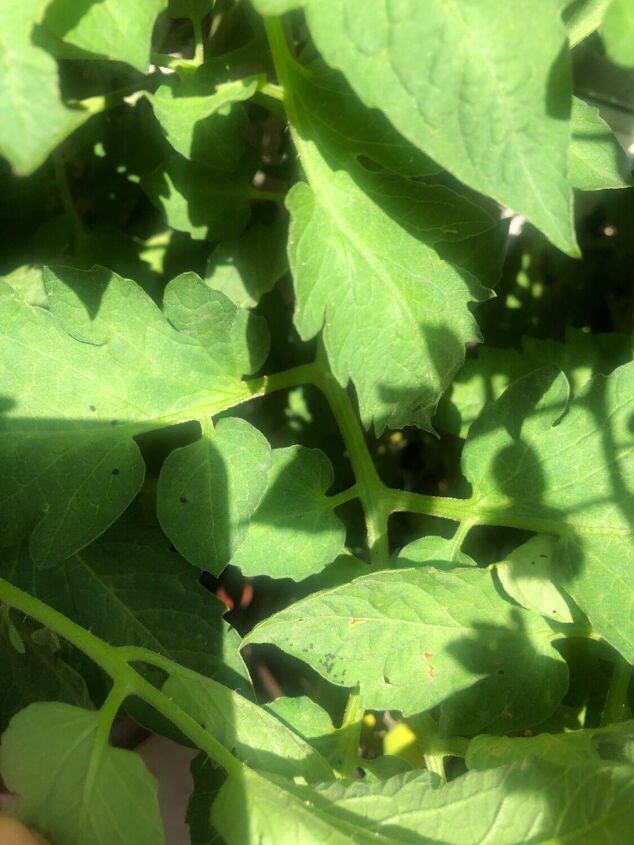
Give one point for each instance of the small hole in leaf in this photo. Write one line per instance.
(92, 408)
(183, 500)
(533, 563)
(115, 471)
(359, 772)
(113, 422)
(500, 671)
(554, 613)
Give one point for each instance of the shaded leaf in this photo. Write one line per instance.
(81, 380)
(208, 129)
(528, 576)
(129, 589)
(464, 91)
(32, 668)
(247, 268)
(567, 469)
(208, 491)
(35, 120)
(597, 160)
(294, 532)
(200, 200)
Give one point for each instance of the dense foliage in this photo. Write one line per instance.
(259, 402)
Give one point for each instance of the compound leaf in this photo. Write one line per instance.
(82, 379)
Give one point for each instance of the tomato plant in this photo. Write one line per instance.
(317, 417)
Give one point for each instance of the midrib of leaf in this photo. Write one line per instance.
(319, 175)
(224, 400)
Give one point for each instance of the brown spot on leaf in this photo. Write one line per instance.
(427, 655)
(356, 622)
(430, 671)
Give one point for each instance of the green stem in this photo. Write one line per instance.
(199, 40)
(344, 497)
(79, 234)
(270, 89)
(107, 715)
(368, 483)
(617, 703)
(269, 196)
(349, 736)
(126, 680)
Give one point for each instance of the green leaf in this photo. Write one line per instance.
(567, 470)
(249, 731)
(208, 130)
(110, 29)
(583, 17)
(464, 91)
(32, 668)
(205, 202)
(310, 721)
(209, 490)
(597, 160)
(129, 589)
(487, 376)
(368, 229)
(568, 749)
(252, 808)
(28, 283)
(530, 802)
(433, 551)
(35, 120)
(338, 114)
(247, 268)
(527, 575)
(617, 32)
(81, 380)
(72, 787)
(414, 638)
(294, 532)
